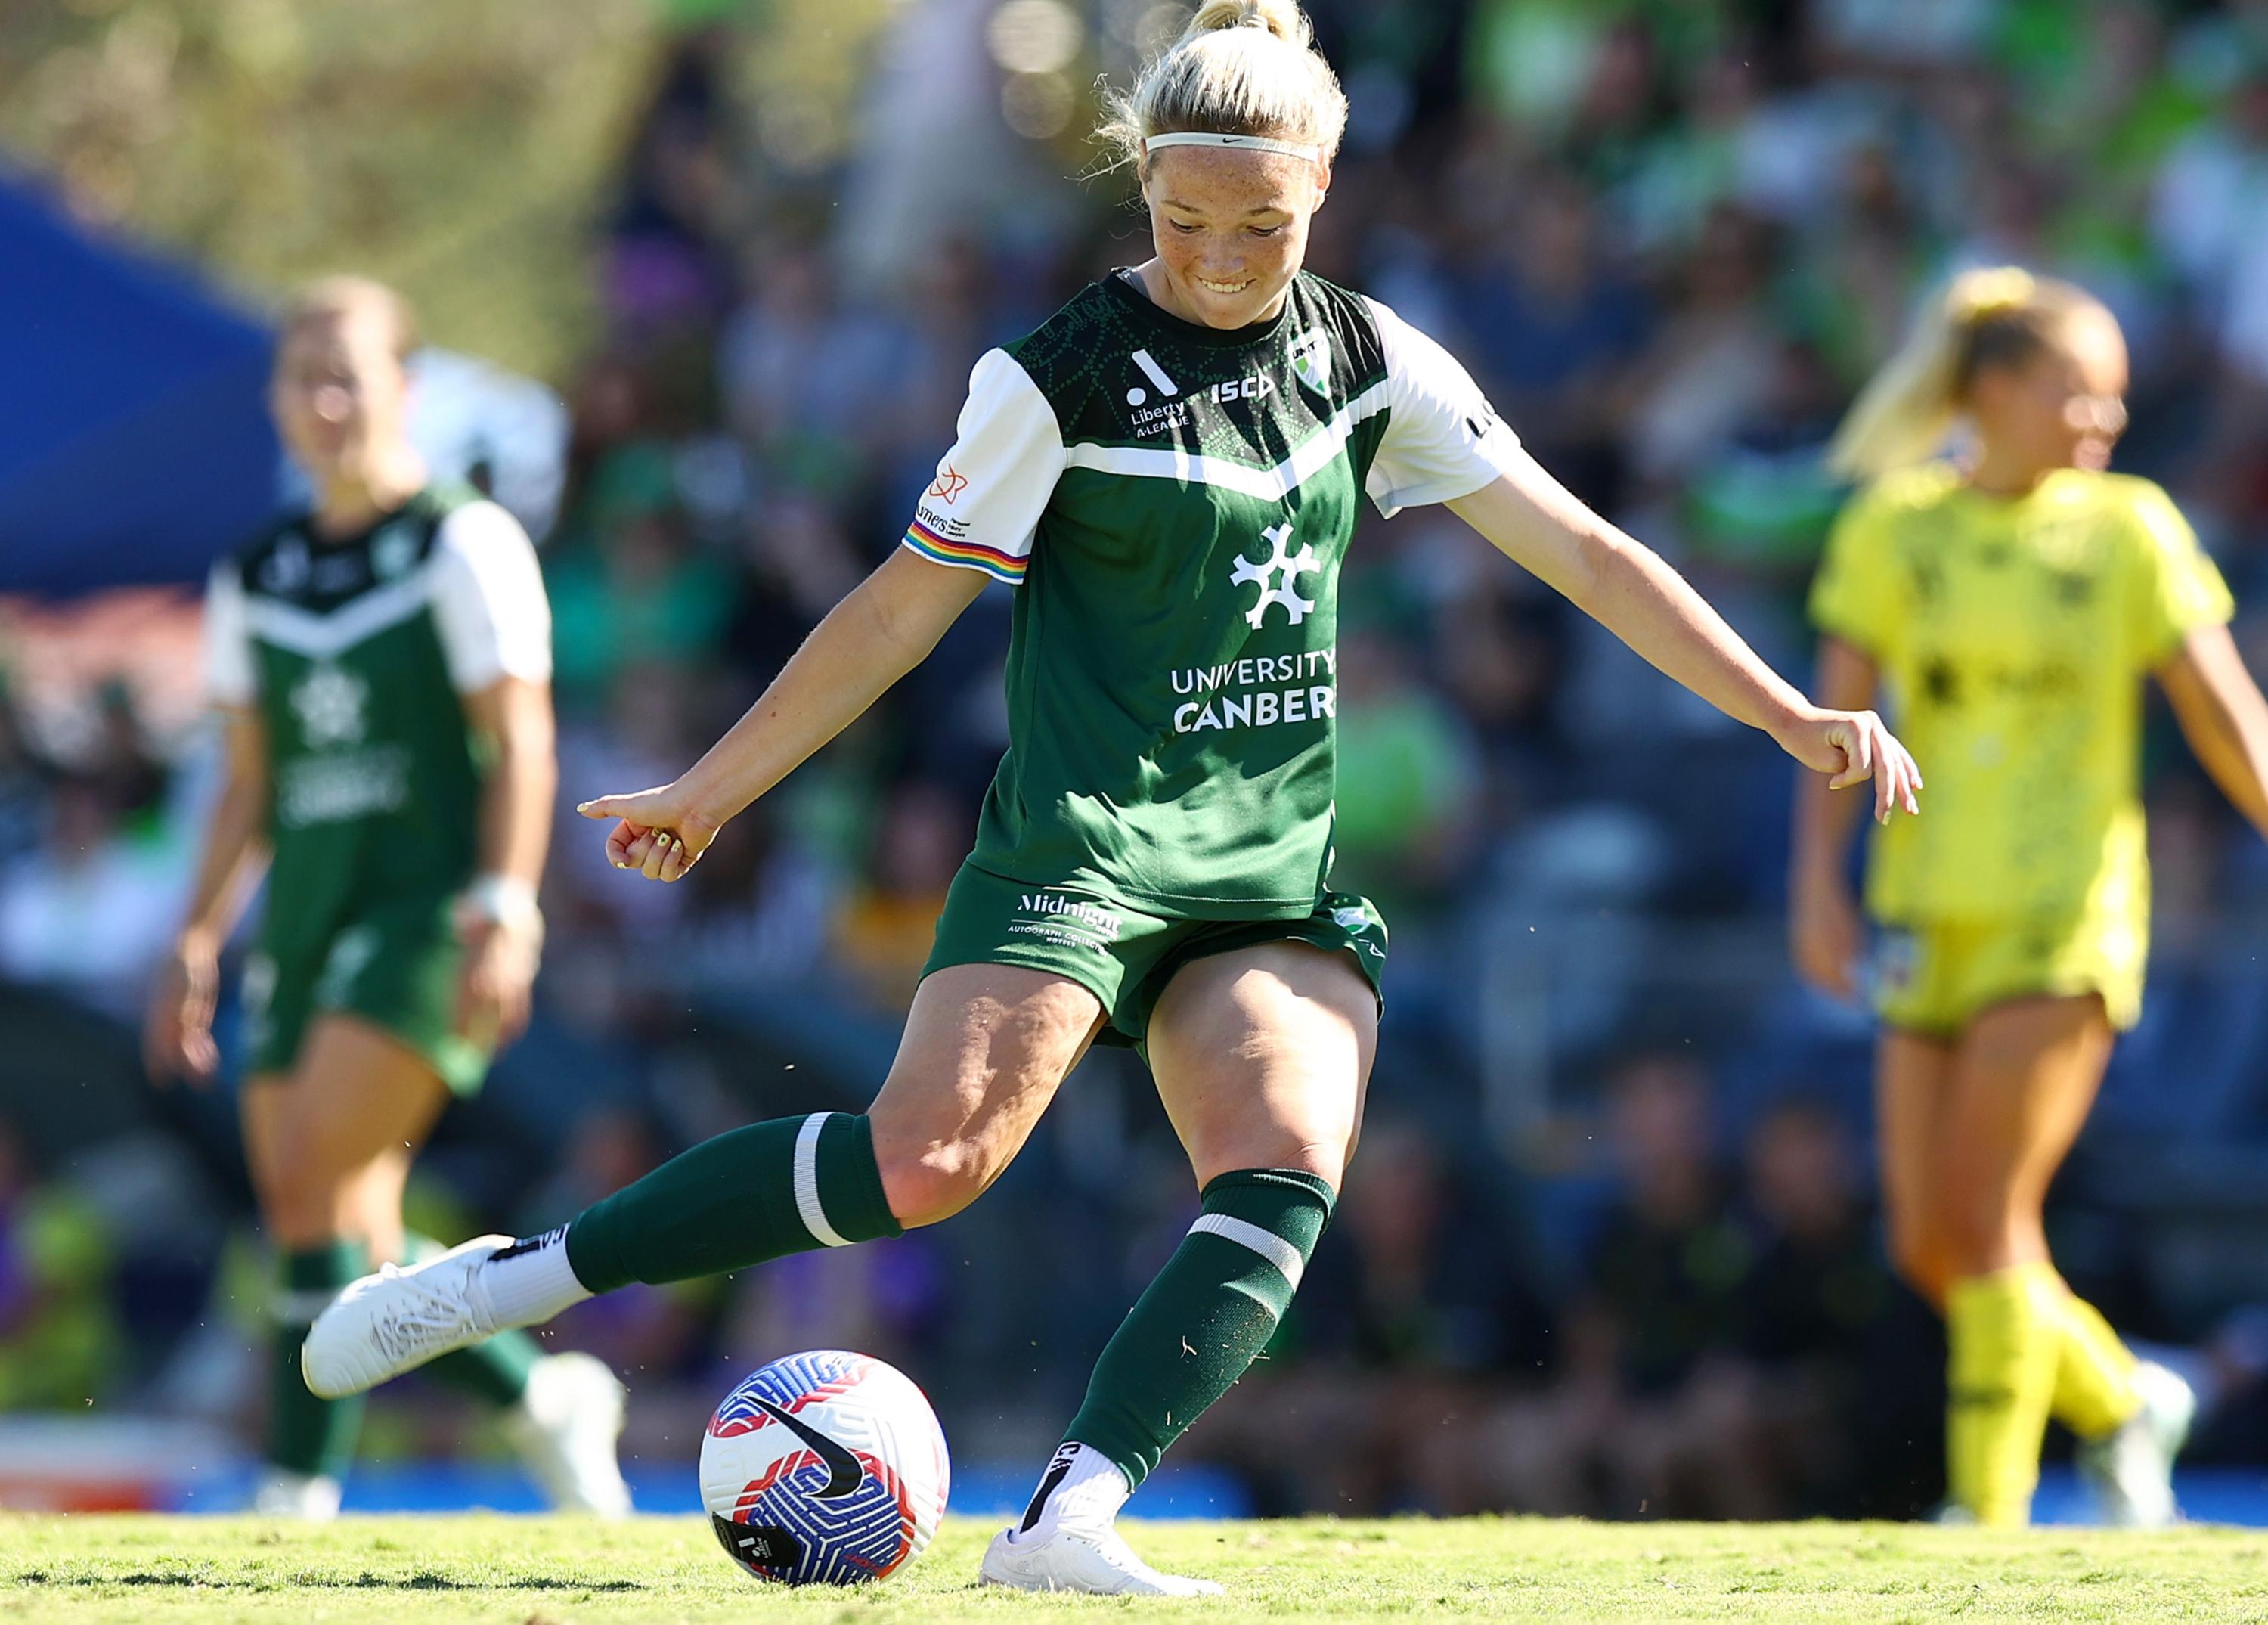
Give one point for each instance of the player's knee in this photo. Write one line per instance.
(1255, 1146)
(1973, 1234)
(299, 1204)
(928, 1183)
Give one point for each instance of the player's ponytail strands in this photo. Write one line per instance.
(756, 1193)
(1206, 1317)
(1998, 316)
(1241, 68)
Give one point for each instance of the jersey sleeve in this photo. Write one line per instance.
(2180, 588)
(229, 679)
(1856, 596)
(983, 508)
(487, 598)
(1443, 440)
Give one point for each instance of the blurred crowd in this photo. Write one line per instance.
(1610, 1243)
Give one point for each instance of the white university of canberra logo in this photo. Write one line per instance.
(330, 700)
(1280, 560)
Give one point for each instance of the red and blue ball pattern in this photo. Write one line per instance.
(825, 1468)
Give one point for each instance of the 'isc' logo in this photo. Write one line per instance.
(1258, 386)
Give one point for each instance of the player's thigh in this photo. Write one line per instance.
(984, 1050)
(1262, 1055)
(1913, 1077)
(2025, 1076)
(359, 1102)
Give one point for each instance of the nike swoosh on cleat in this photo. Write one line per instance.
(844, 1472)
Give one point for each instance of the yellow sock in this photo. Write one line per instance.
(2006, 1333)
(2094, 1392)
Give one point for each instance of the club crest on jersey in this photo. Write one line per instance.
(286, 570)
(1311, 360)
(1291, 565)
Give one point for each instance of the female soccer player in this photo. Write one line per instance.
(1168, 470)
(2009, 605)
(383, 665)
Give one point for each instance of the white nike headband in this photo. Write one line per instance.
(1213, 138)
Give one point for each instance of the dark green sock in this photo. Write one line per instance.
(495, 1371)
(1206, 1317)
(759, 1192)
(305, 1434)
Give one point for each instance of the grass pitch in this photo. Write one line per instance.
(564, 1571)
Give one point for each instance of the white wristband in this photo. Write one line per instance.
(503, 899)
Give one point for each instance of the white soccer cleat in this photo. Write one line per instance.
(399, 1319)
(304, 1497)
(1078, 1560)
(2131, 1471)
(564, 1428)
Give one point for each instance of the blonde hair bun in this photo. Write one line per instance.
(1239, 68)
(1989, 290)
(1281, 18)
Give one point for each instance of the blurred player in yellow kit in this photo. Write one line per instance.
(2009, 605)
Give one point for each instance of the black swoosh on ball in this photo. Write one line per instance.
(844, 1472)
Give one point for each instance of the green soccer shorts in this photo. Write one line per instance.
(1122, 956)
(394, 965)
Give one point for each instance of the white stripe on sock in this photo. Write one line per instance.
(806, 1184)
(1267, 1244)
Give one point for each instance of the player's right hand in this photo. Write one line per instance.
(661, 833)
(177, 1039)
(1826, 935)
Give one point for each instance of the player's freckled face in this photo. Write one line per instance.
(339, 395)
(1231, 231)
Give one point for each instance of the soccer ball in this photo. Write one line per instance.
(824, 1468)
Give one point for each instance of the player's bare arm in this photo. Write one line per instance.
(883, 628)
(1540, 525)
(1826, 932)
(497, 919)
(2223, 717)
(177, 1038)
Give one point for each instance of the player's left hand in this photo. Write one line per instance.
(1854, 746)
(493, 993)
(661, 833)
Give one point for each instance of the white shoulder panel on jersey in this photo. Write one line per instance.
(229, 679)
(983, 508)
(1443, 440)
(487, 598)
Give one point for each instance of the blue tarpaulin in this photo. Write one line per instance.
(135, 444)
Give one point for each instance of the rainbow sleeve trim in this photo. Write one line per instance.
(965, 555)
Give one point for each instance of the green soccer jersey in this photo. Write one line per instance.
(355, 653)
(1173, 502)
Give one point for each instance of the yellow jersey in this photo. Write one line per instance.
(2012, 635)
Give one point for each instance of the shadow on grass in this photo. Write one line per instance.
(421, 1581)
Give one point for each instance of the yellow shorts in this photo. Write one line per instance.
(1935, 977)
